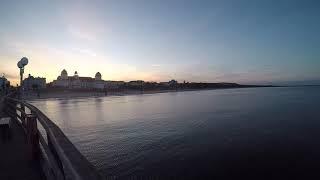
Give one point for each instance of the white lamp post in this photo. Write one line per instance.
(23, 62)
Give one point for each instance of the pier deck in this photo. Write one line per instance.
(14, 160)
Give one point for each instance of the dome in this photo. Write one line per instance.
(76, 74)
(64, 72)
(98, 76)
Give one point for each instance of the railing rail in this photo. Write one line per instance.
(59, 158)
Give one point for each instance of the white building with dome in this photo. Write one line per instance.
(78, 82)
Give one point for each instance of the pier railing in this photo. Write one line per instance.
(58, 157)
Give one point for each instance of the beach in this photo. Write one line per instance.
(68, 93)
(79, 93)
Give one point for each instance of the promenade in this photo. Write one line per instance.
(14, 160)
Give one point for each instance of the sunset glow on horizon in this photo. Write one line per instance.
(203, 41)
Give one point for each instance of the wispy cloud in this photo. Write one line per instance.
(83, 22)
(85, 52)
(156, 65)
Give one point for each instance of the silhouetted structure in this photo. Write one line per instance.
(33, 83)
(78, 82)
(4, 84)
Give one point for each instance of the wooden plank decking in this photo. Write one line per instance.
(14, 160)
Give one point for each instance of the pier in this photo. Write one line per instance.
(35, 148)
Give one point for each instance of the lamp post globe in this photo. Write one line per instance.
(20, 65)
(24, 61)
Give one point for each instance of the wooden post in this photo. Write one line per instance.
(23, 118)
(32, 136)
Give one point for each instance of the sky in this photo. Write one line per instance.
(243, 41)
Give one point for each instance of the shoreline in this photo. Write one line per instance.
(71, 94)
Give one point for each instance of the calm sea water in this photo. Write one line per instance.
(254, 132)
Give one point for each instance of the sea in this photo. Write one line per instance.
(252, 133)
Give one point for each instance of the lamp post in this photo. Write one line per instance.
(23, 62)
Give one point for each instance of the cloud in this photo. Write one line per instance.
(83, 21)
(156, 65)
(85, 52)
(80, 33)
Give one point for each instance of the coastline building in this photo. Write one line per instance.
(31, 82)
(98, 82)
(169, 83)
(114, 84)
(136, 83)
(173, 82)
(78, 82)
(4, 83)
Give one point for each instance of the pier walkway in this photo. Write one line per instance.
(14, 161)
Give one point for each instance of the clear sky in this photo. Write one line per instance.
(245, 41)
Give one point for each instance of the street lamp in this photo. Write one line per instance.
(23, 62)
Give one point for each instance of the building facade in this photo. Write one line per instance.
(31, 82)
(78, 82)
(4, 83)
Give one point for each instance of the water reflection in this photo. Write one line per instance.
(168, 133)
